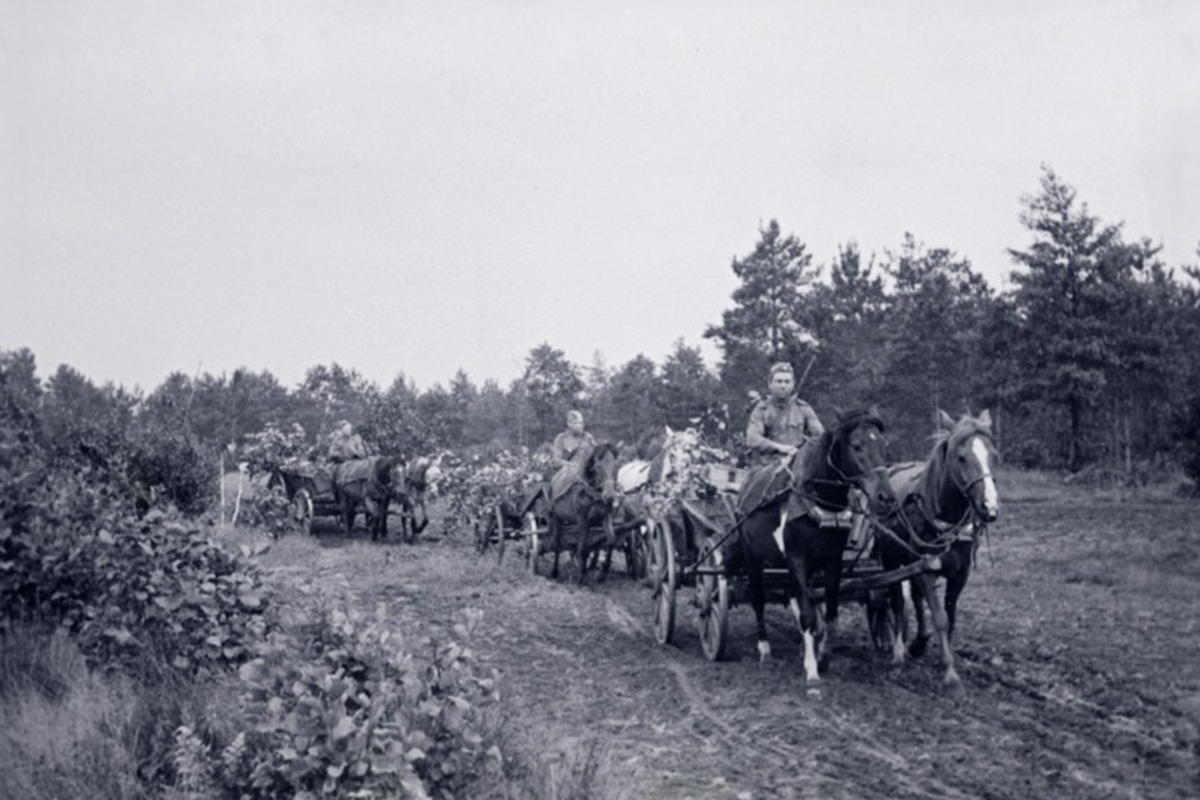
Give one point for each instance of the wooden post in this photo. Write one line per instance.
(237, 503)
(221, 478)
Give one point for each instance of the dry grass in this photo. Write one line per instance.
(63, 730)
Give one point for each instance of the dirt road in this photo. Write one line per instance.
(1078, 647)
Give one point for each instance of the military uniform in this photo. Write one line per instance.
(567, 444)
(774, 422)
(346, 448)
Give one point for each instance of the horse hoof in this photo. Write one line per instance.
(954, 687)
(764, 652)
(918, 647)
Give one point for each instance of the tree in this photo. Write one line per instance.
(768, 321)
(932, 344)
(688, 389)
(551, 386)
(462, 395)
(635, 393)
(1069, 300)
(330, 394)
(394, 424)
(850, 319)
(491, 417)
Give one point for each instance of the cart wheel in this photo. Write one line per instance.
(534, 543)
(501, 536)
(713, 589)
(302, 510)
(637, 553)
(663, 575)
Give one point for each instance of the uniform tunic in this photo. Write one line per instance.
(781, 422)
(346, 448)
(568, 443)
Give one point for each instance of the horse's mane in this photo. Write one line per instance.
(381, 469)
(966, 426)
(594, 455)
(414, 472)
(933, 472)
(811, 462)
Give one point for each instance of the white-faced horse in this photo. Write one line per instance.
(944, 502)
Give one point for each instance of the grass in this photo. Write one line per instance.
(64, 731)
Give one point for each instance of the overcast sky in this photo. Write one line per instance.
(418, 187)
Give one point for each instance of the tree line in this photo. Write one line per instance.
(1087, 358)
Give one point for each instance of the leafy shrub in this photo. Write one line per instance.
(272, 448)
(361, 715)
(269, 510)
(71, 555)
(172, 462)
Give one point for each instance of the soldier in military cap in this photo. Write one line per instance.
(781, 423)
(345, 444)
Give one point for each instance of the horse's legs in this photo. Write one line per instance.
(920, 641)
(899, 622)
(381, 508)
(581, 547)
(805, 612)
(956, 581)
(833, 596)
(348, 513)
(937, 613)
(758, 600)
(608, 552)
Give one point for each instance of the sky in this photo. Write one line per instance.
(416, 187)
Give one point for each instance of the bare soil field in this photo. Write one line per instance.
(1077, 640)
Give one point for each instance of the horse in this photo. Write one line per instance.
(780, 507)
(672, 456)
(368, 481)
(943, 502)
(583, 493)
(411, 490)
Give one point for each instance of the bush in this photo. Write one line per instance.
(71, 556)
(361, 716)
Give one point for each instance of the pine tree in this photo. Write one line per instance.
(1069, 301)
(768, 322)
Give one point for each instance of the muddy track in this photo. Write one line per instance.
(1075, 689)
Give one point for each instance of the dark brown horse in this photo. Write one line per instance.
(782, 523)
(368, 482)
(944, 502)
(583, 494)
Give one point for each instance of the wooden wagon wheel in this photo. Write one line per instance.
(664, 577)
(302, 510)
(712, 586)
(534, 540)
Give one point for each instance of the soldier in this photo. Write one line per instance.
(568, 443)
(781, 423)
(345, 444)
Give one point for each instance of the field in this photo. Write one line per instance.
(1077, 641)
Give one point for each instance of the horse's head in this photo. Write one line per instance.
(675, 455)
(600, 471)
(383, 470)
(970, 455)
(857, 455)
